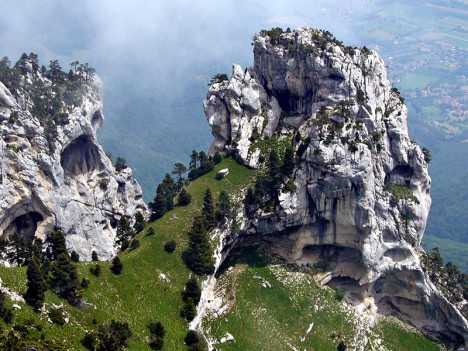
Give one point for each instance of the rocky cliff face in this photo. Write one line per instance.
(360, 199)
(54, 174)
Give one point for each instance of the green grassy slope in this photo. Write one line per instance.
(261, 318)
(139, 294)
(277, 318)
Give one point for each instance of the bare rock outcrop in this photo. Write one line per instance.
(360, 198)
(54, 173)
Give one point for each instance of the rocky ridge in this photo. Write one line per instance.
(54, 173)
(360, 200)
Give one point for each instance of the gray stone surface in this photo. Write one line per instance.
(342, 212)
(41, 191)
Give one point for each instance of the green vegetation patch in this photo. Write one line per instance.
(401, 192)
(275, 303)
(396, 336)
(267, 145)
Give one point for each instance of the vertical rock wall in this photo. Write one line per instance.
(72, 186)
(362, 197)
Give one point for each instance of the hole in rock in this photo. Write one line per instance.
(25, 225)
(97, 119)
(292, 103)
(113, 222)
(390, 236)
(336, 78)
(324, 255)
(401, 283)
(81, 157)
(351, 285)
(397, 254)
(400, 175)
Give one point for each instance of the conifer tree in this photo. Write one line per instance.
(179, 169)
(157, 329)
(193, 160)
(189, 311)
(57, 244)
(224, 206)
(169, 188)
(184, 198)
(139, 222)
(94, 256)
(20, 251)
(65, 279)
(5, 311)
(35, 294)
(250, 198)
(217, 158)
(208, 211)
(117, 265)
(192, 291)
(74, 256)
(191, 338)
(289, 162)
(159, 203)
(275, 170)
(199, 256)
(37, 247)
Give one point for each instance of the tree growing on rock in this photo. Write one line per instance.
(224, 206)
(208, 210)
(218, 78)
(289, 162)
(120, 164)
